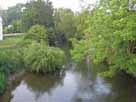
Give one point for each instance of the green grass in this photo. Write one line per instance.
(10, 42)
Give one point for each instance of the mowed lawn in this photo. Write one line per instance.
(10, 41)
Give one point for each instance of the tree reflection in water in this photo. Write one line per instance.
(36, 84)
(39, 84)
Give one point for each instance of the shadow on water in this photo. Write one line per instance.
(80, 83)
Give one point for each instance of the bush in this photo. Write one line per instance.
(6, 65)
(37, 33)
(6, 61)
(43, 59)
(10, 60)
(80, 50)
(2, 82)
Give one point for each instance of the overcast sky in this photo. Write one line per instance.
(73, 4)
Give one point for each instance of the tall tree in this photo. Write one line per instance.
(112, 36)
(38, 12)
(64, 21)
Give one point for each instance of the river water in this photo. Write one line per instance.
(77, 84)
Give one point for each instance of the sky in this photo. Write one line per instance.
(72, 4)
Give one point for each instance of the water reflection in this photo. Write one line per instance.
(93, 91)
(41, 84)
(73, 87)
(91, 87)
(78, 84)
(33, 87)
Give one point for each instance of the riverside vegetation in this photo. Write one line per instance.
(105, 34)
(32, 53)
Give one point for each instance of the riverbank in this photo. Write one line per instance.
(10, 42)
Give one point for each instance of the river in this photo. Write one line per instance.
(79, 83)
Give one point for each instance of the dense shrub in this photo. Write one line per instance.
(2, 82)
(43, 59)
(36, 33)
(38, 56)
(80, 50)
(10, 62)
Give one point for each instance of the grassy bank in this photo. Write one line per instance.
(10, 41)
(9, 59)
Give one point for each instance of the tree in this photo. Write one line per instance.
(38, 12)
(12, 14)
(64, 21)
(112, 38)
(81, 23)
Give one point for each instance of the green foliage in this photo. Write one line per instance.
(37, 33)
(64, 27)
(64, 22)
(60, 23)
(81, 24)
(10, 60)
(133, 1)
(111, 36)
(2, 82)
(37, 12)
(80, 51)
(15, 27)
(38, 56)
(10, 42)
(43, 59)
(12, 14)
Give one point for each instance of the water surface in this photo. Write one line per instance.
(78, 84)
